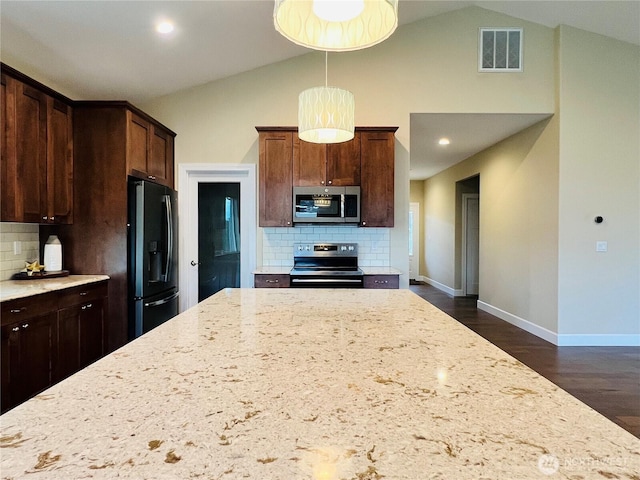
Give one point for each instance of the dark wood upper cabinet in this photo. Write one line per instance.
(377, 156)
(149, 150)
(286, 161)
(316, 164)
(37, 155)
(275, 178)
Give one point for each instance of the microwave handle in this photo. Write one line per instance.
(342, 202)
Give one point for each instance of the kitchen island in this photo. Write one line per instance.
(311, 384)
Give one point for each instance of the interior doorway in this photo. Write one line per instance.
(469, 201)
(217, 229)
(414, 241)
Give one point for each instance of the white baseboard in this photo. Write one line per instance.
(444, 288)
(526, 325)
(598, 340)
(564, 340)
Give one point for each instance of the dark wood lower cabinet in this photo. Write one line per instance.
(46, 338)
(28, 353)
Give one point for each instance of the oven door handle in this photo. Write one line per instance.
(325, 280)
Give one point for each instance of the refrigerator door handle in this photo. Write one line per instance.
(169, 217)
(163, 301)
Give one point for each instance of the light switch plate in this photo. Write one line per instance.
(601, 246)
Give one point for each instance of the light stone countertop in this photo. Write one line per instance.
(271, 270)
(13, 289)
(311, 384)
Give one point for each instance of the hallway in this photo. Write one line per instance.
(605, 378)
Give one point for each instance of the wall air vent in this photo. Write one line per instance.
(500, 50)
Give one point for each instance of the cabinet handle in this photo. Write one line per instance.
(381, 281)
(88, 305)
(82, 294)
(151, 177)
(272, 281)
(15, 329)
(25, 325)
(18, 310)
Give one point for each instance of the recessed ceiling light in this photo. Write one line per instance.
(164, 27)
(444, 141)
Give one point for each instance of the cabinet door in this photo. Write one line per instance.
(160, 167)
(59, 162)
(309, 163)
(31, 152)
(9, 181)
(138, 133)
(343, 163)
(28, 350)
(276, 186)
(9, 349)
(68, 342)
(377, 179)
(91, 331)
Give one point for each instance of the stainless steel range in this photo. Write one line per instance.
(326, 265)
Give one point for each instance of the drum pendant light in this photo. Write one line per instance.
(336, 25)
(326, 114)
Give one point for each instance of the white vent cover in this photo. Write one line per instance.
(500, 50)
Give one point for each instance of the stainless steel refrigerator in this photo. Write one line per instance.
(152, 257)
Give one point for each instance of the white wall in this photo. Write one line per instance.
(428, 66)
(599, 103)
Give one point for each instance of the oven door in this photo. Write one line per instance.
(326, 281)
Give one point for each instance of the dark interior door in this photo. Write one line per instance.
(218, 237)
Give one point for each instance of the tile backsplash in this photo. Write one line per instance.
(373, 243)
(27, 235)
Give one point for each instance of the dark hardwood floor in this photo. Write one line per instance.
(605, 378)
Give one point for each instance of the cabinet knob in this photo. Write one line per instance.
(18, 310)
(82, 294)
(288, 223)
(15, 329)
(364, 223)
(25, 325)
(329, 182)
(88, 305)
(44, 218)
(151, 177)
(52, 218)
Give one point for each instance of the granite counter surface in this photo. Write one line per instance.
(311, 384)
(13, 289)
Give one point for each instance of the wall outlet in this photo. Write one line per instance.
(17, 247)
(601, 246)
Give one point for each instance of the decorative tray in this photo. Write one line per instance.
(39, 275)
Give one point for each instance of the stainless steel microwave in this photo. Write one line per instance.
(326, 204)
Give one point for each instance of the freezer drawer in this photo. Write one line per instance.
(153, 311)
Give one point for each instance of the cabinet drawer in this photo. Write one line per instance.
(271, 280)
(84, 293)
(21, 308)
(381, 281)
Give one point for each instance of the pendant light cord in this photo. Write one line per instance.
(326, 66)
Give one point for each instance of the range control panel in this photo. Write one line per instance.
(325, 249)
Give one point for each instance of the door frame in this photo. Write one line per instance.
(415, 208)
(189, 176)
(465, 199)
